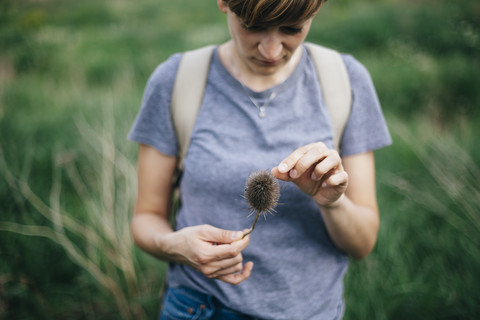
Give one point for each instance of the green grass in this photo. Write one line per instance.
(425, 264)
(72, 76)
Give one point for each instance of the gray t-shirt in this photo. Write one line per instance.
(298, 272)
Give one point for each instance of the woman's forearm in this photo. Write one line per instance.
(146, 228)
(352, 228)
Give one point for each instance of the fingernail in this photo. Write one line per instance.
(314, 176)
(324, 185)
(293, 173)
(283, 167)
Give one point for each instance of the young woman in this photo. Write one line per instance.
(292, 266)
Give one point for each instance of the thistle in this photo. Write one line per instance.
(262, 192)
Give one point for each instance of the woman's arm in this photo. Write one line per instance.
(344, 189)
(214, 252)
(353, 221)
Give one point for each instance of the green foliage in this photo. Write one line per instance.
(428, 251)
(72, 74)
(423, 57)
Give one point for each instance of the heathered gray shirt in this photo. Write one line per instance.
(298, 272)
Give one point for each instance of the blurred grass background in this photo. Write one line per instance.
(72, 75)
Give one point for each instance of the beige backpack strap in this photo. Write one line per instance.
(188, 93)
(333, 76)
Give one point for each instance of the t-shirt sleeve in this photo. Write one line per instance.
(153, 125)
(366, 128)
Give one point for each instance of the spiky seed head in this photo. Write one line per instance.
(262, 191)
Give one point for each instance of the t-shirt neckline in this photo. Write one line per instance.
(288, 83)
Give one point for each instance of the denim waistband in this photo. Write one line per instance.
(186, 302)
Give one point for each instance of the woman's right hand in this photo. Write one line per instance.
(216, 253)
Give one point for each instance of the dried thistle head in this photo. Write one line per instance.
(262, 191)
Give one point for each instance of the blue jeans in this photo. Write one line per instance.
(181, 303)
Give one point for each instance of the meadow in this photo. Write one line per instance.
(72, 75)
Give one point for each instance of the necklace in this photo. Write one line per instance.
(261, 108)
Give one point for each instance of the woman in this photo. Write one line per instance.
(262, 108)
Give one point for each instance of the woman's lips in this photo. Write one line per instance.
(269, 62)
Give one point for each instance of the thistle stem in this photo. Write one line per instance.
(253, 225)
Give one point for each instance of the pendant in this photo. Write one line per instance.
(262, 112)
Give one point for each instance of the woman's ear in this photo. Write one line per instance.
(222, 6)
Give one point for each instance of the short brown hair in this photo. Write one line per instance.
(267, 13)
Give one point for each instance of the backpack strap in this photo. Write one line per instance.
(188, 93)
(335, 84)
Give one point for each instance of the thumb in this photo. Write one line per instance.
(218, 235)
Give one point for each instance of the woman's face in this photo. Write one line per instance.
(265, 51)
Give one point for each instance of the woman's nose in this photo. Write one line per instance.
(270, 45)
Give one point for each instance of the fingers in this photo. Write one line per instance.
(219, 244)
(286, 169)
(230, 270)
(335, 180)
(328, 166)
(221, 251)
(236, 278)
(217, 253)
(316, 171)
(220, 268)
(315, 159)
(219, 236)
(227, 263)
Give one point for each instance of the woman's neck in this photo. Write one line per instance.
(257, 82)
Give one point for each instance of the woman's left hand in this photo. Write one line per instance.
(317, 171)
